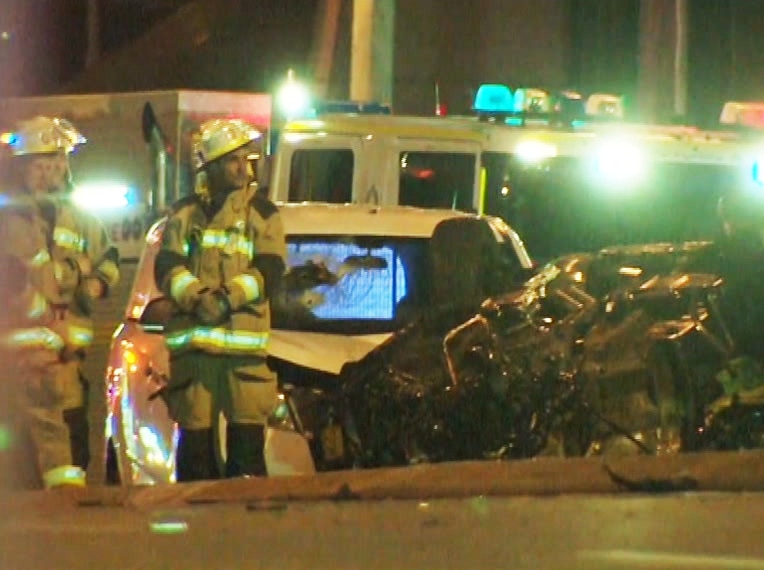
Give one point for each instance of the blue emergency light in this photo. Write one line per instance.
(11, 139)
(757, 173)
(494, 99)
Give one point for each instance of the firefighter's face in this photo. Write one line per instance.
(44, 173)
(230, 171)
(58, 171)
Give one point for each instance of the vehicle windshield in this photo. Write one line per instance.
(566, 204)
(351, 284)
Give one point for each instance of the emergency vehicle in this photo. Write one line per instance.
(137, 158)
(568, 173)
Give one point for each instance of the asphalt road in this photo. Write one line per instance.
(535, 514)
(685, 531)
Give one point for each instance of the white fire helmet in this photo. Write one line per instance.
(43, 135)
(219, 137)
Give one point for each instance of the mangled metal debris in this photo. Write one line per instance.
(632, 349)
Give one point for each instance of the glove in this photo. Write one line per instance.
(88, 291)
(68, 274)
(212, 308)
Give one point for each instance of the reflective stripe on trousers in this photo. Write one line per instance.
(218, 340)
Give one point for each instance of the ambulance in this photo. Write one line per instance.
(568, 172)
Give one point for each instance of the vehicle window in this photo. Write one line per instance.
(437, 180)
(568, 204)
(321, 175)
(356, 285)
(497, 181)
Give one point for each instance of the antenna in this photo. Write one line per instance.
(440, 110)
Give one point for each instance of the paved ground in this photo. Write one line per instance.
(540, 514)
(687, 531)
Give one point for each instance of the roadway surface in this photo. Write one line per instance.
(541, 514)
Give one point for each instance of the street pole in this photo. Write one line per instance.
(372, 50)
(93, 33)
(324, 44)
(680, 58)
(663, 59)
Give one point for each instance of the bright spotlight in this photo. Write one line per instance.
(293, 98)
(621, 162)
(101, 195)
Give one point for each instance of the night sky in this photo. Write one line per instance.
(43, 43)
(46, 40)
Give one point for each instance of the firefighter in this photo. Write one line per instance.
(33, 346)
(86, 263)
(221, 260)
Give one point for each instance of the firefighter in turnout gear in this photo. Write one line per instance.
(85, 262)
(221, 260)
(31, 348)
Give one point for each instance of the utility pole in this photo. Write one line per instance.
(93, 33)
(663, 59)
(372, 51)
(324, 44)
(680, 58)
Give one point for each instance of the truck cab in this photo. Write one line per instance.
(379, 159)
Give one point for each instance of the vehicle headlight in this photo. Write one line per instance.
(620, 162)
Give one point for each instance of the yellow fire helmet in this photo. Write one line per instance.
(43, 135)
(219, 137)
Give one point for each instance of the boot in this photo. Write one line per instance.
(79, 436)
(245, 446)
(196, 455)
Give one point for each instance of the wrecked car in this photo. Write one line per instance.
(629, 350)
(356, 275)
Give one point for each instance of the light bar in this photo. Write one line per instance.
(493, 98)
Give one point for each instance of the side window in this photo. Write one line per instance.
(499, 195)
(321, 175)
(437, 180)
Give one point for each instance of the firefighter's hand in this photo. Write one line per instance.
(92, 287)
(68, 274)
(69, 353)
(212, 308)
(89, 289)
